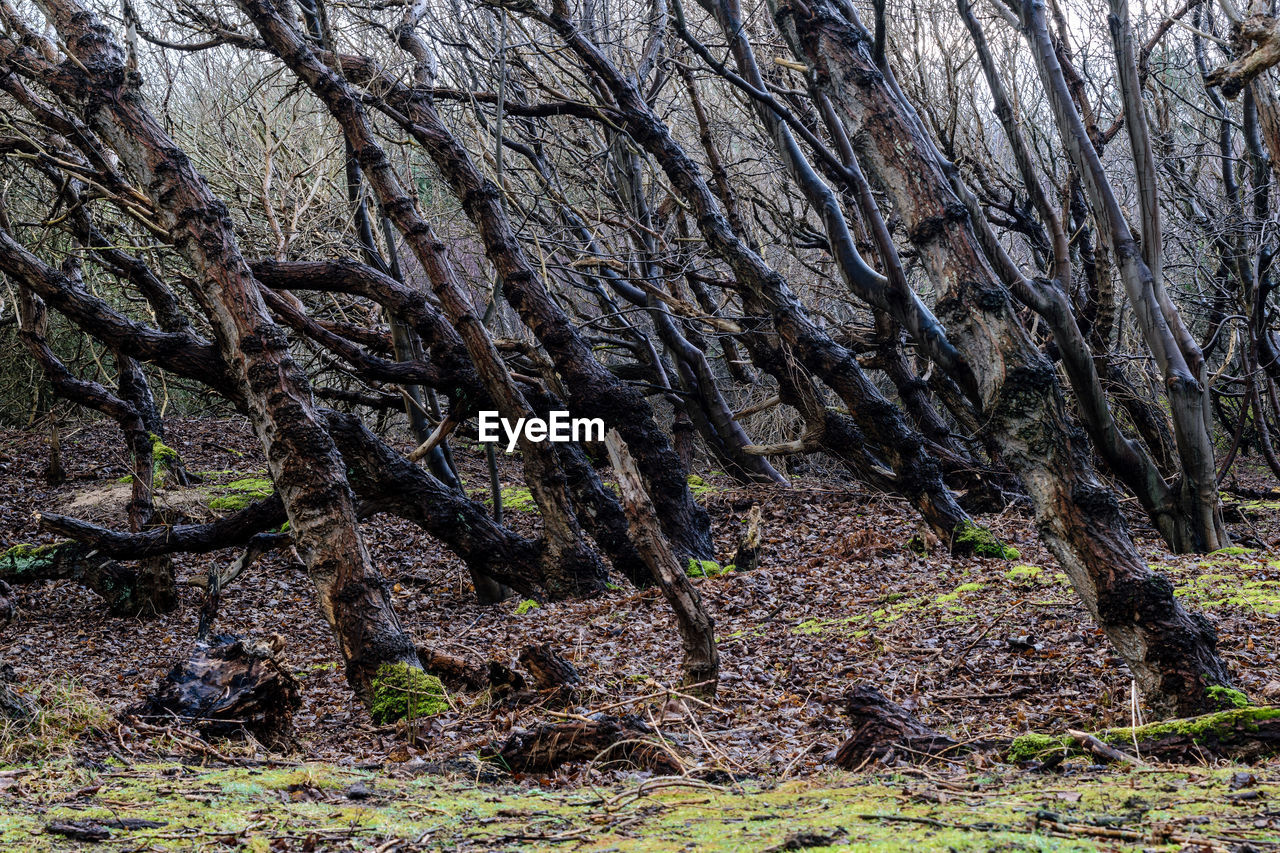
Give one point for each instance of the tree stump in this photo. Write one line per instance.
(229, 689)
(883, 728)
(456, 673)
(604, 739)
(549, 670)
(747, 557)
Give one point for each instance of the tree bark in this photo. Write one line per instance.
(572, 568)
(1171, 654)
(305, 466)
(701, 664)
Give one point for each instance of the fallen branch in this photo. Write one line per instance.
(1242, 734)
(125, 593)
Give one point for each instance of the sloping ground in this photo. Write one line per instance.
(320, 807)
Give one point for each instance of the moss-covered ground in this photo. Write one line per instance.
(323, 807)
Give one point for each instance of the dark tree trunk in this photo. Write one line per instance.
(592, 390)
(1170, 653)
(701, 665)
(571, 567)
(305, 467)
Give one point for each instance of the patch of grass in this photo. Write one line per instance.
(65, 714)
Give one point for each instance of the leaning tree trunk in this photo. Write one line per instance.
(1171, 654)
(571, 566)
(305, 466)
(763, 289)
(697, 632)
(592, 390)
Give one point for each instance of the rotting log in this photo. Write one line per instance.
(883, 729)
(456, 673)
(228, 689)
(1246, 733)
(550, 671)
(125, 592)
(603, 739)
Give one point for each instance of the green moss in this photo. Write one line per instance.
(1227, 697)
(401, 691)
(1023, 574)
(259, 487)
(161, 453)
(862, 813)
(230, 503)
(700, 487)
(26, 550)
(981, 542)
(1036, 745)
(1233, 551)
(241, 493)
(25, 557)
(704, 569)
(1222, 725)
(1217, 589)
(1197, 728)
(527, 606)
(514, 498)
(969, 587)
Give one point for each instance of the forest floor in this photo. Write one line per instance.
(979, 648)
